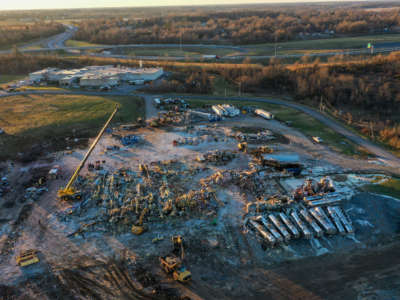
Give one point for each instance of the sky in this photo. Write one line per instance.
(50, 4)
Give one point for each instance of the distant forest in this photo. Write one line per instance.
(12, 34)
(241, 26)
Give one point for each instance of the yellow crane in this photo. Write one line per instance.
(69, 192)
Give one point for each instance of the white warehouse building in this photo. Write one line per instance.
(96, 76)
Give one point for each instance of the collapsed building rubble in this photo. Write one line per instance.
(260, 137)
(160, 190)
(217, 157)
(298, 218)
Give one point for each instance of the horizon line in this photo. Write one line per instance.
(267, 2)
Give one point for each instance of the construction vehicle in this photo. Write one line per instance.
(69, 192)
(173, 263)
(144, 169)
(139, 228)
(243, 147)
(177, 241)
(26, 258)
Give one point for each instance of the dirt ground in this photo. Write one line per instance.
(226, 260)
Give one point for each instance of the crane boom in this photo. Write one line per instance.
(68, 187)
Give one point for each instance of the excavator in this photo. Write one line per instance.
(139, 228)
(69, 193)
(173, 263)
(243, 147)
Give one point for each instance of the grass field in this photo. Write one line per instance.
(10, 78)
(74, 43)
(40, 88)
(301, 121)
(322, 44)
(389, 188)
(173, 52)
(48, 119)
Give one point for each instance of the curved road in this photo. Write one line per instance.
(382, 154)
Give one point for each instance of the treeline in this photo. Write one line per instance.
(243, 26)
(14, 34)
(365, 94)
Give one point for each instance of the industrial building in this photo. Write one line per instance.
(96, 76)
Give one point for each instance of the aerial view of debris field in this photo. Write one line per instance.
(172, 206)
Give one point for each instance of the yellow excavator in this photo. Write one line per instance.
(173, 263)
(69, 192)
(243, 147)
(139, 228)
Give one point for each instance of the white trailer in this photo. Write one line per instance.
(318, 231)
(336, 220)
(322, 220)
(289, 224)
(218, 110)
(303, 227)
(265, 234)
(264, 114)
(282, 229)
(347, 224)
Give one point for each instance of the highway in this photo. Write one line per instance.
(48, 44)
(378, 151)
(57, 42)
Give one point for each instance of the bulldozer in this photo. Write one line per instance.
(173, 263)
(139, 228)
(69, 193)
(26, 258)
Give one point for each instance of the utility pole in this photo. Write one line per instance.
(240, 88)
(181, 40)
(275, 44)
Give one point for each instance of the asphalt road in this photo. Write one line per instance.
(378, 151)
(51, 43)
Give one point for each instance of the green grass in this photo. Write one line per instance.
(172, 52)
(39, 88)
(49, 119)
(10, 78)
(321, 44)
(74, 43)
(300, 121)
(223, 88)
(390, 188)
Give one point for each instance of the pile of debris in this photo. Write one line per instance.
(138, 124)
(275, 203)
(175, 104)
(260, 137)
(250, 182)
(312, 188)
(194, 140)
(170, 118)
(217, 157)
(117, 201)
(129, 140)
(33, 193)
